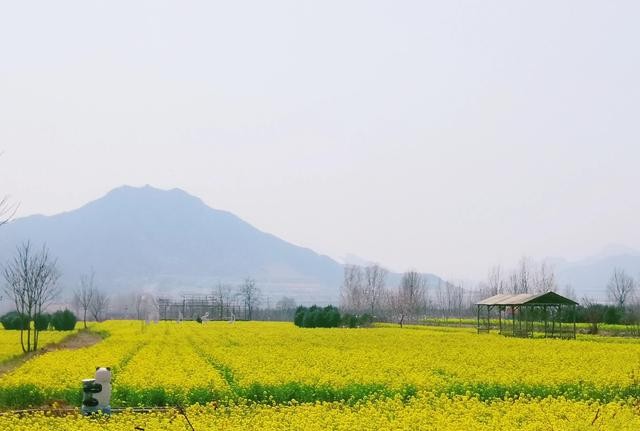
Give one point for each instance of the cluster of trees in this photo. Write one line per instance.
(246, 296)
(364, 291)
(623, 307)
(31, 283)
(527, 277)
(89, 299)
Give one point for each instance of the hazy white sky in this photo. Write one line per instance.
(446, 136)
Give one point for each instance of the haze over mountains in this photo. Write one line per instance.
(590, 276)
(171, 242)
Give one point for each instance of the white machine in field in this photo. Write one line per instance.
(96, 392)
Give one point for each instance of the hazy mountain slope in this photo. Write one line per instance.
(590, 276)
(147, 237)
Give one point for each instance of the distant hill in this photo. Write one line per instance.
(170, 241)
(590, 276)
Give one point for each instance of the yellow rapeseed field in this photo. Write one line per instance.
(261, 375)
(426, 412)
(427, 358)
(10, 341)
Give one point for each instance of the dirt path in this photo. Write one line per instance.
(82, 338)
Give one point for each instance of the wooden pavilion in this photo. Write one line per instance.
(525, 314)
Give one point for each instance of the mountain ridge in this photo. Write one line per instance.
(169, 239)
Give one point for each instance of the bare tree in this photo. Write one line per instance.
(524, 275)
(593, 313)
(569, 292)
(352, 291)
(99, 305)
(31, 279)
(413, 293)
(513, 286)
(633, 314)
(544, 279)
(409, 299)
(285, 304)
(83, 296)
(146, 306)
(495, 282)
(455, 299)
(224, 295)
(449, 299)
(374, 284)
(7, 211)
(154, 307)
(250, 296)
(521, 280)
(285, 308)
(139, 304)
(621, 286)
(397, 306)
(440, 296)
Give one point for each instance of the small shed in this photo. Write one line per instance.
(523, 315)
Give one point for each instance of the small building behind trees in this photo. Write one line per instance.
(527, 315)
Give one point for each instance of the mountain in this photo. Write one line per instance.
(590, 276)
(170, 241)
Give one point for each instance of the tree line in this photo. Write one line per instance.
(366, 290)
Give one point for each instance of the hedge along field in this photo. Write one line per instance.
(171, 363)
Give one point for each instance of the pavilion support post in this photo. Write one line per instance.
(500, 319)
(478, 306)
(574, 321)
(488, 319)
(560, 319)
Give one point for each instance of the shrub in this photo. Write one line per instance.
(298, 317)
(331, 317)
(365, 319)
(317, 317)
(613, 315)
(42, 322)
(14, 320)
(311, 317)
(63, 320)
(356, 321)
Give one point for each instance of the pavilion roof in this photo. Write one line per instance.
(546, 298)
